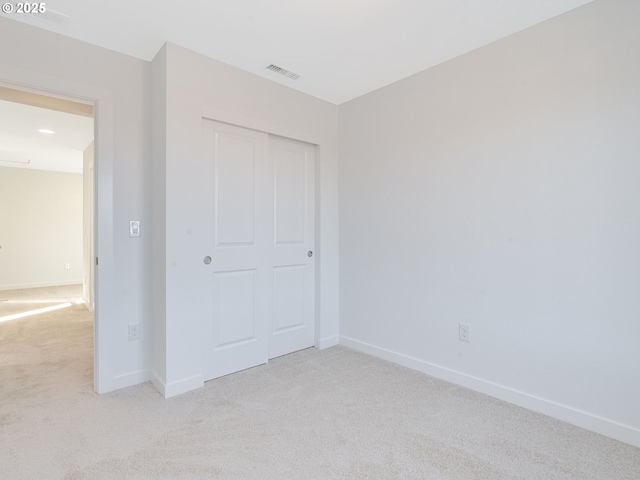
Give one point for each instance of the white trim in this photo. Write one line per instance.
(328, 342)
(103, 241)
(157, 382)
(20, 286)
(102, 100)
(245, 121)
(579, 418)
(130, 379)
(168, 390)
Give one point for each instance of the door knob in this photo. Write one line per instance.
(310, 254)
(207, 260)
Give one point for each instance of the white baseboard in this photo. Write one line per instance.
(168, 390)
(328, 342)
(603, 426)
(130, 379)
(158, 383)
(21, 286)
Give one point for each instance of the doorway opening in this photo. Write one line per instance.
(47, 239)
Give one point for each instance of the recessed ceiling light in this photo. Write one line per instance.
(46, 130)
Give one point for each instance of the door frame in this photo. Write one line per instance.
(232, 118)
(103, 118)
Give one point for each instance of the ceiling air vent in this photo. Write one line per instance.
(283, 71)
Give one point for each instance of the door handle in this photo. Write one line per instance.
(207, 260)
(310, 254)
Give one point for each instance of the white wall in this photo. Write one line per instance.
(159, 211)
(501, 189)
(88, 263)
(40, 228)
(193, 85)
(39, 59)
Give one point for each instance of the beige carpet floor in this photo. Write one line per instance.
(331, 414)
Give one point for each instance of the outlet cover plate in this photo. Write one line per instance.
(463, 332)
(134, 331)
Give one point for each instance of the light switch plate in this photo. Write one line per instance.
(134, 228)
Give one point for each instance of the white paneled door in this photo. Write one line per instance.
(291, 323)
(261, 224)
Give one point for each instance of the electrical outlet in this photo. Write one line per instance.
(67, 266)
(134, 331)
(463, 332)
